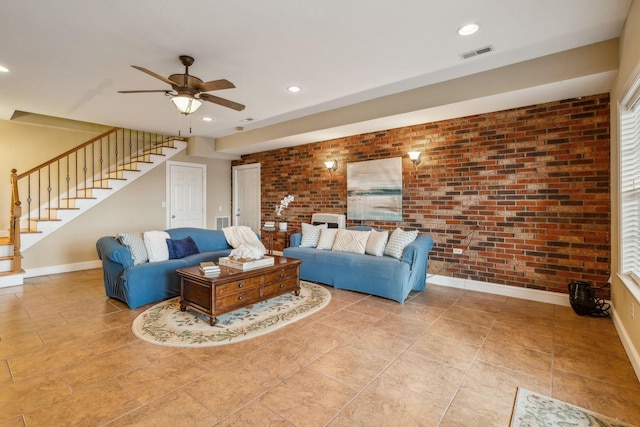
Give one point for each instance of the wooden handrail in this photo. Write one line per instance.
(66, 153)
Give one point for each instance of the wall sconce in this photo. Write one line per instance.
(332, 165)
(415, 158)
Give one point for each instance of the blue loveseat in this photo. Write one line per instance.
(383, 276)
(141, 284)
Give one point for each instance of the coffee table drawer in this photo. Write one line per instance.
(281, 287)
(280, 275)
(239, 286)
(241, 299)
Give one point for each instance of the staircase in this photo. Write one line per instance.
(50, 195)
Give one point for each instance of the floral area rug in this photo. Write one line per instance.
(536, 410)
(164, 323)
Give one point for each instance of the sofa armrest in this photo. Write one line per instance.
(295, 239)
(418, 250)
(109, 248)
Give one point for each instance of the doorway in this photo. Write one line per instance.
(186, 195)
(246, 196)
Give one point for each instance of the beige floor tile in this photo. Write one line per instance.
(539, 339)
(348, 320)
(517, 358)
(469, 409)
(23, 344)
(444, 349)
(584, 338)
(176, 409)
(161, 377)
(93, 406)
(25, 396)
(90, 370)
(370, 307)
(231, 387)
(308, 398)
(73, 331)
(482, 302)
(13, 422)
(319, 337)
(5, 373)
(434, 380)
(284, 356)
(607, 399)
(101, 341)
(603, 366)
(387, 404)
(485, 379)
(422, 312)
(352, 366)
(255, 415)
(470, 315)
(48, 357)
(402, 325)
(462, 331)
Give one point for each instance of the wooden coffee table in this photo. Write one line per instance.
(233, 289)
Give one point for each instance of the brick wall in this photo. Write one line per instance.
(525, 192)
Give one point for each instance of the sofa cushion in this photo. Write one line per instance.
(350, 241)
(156, 244)
(399, 240)
(135, 243)
(327, 237)
(180, 248)
(311, 235)
(377, 242)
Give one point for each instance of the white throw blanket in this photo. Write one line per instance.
(242, 235)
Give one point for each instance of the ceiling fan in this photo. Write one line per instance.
(187, 90)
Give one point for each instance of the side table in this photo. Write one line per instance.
(271, 233)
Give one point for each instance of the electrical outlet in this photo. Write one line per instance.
(457, 251)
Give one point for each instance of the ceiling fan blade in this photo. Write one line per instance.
(141, 91)
(157, 76)
(215, 85)
(222, 101)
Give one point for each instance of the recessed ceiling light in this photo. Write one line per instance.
(468, 29)
(206, 119)
(294, 89)
(3, 69)
(247, 120)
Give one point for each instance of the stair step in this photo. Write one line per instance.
(62, 209)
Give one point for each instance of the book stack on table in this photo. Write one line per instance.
(209, 268)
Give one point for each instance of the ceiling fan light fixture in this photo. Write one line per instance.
(186, 104)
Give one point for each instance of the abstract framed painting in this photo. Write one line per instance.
(374, 190)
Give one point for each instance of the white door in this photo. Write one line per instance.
(186, 195)
(246, 196)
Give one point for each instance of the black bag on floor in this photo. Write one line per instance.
(584, 302)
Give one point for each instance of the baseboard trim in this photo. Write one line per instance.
(494, 288)
(632, 354)
(63, 268)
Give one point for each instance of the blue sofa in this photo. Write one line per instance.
(141, 284)
(383, 276)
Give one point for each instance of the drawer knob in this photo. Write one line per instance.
(240, 284)
(281, 274)
(281, 285)
(240, 298)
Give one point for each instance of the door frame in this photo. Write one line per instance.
(234, 192)
(167, 203)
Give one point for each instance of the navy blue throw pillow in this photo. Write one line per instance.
(180, 248)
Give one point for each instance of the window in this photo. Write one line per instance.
(630, 185)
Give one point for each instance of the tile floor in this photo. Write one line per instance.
(446, 357)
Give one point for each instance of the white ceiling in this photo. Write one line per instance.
(68, 58)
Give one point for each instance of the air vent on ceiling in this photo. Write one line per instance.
(476, 52)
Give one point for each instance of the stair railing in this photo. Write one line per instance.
(73, 174)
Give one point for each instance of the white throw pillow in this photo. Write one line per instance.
(351, 241)
(327, 237)
(156, 244)
(311, 235)
(377, 242)
(399, 240)
(135, 243)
